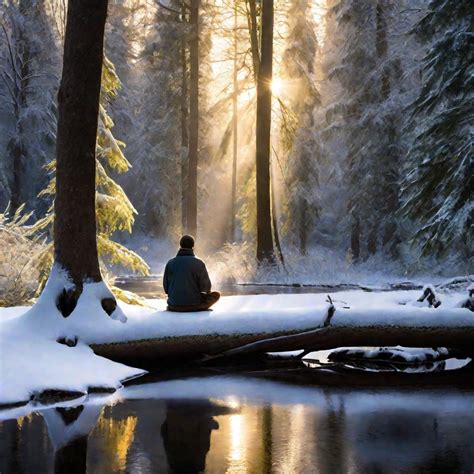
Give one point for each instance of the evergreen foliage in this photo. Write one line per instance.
(114, 210)
(29, 63)
(365, 115)
(439, 180)
(298, 134)
(159, 154)
(371, 127)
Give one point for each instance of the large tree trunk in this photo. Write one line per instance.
(184, 129)
(149, 352)
(456, 334)
(191, 207)
(265, 249)
(78, 109)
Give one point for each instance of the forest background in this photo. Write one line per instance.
(371, 137)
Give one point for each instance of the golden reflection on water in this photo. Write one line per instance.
(237, 455)
(296, 432)
(248, 438)
(243, 439)
(22, 419)
(117, 437)
(226, 436)
(262, 439)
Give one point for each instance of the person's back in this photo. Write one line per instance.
(186, 281)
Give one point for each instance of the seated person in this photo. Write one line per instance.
(186, 281)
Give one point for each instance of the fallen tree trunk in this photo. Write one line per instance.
(461, 338)
(455, 333)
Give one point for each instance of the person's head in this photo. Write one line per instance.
(186, 242)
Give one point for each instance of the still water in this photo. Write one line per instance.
(235, 424)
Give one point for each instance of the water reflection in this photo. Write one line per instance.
(186, 433)
(69, 429)
(218, 425)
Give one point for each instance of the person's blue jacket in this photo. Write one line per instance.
(185, 278)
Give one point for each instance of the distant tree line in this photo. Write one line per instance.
(366, 149)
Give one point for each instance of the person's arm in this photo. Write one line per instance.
(165, 279)
(204, 280)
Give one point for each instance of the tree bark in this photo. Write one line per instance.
(78, 109)
(265, 250)
(355, 237)
(184, 129)
(372, 239)
(253, 30)
(191, 208)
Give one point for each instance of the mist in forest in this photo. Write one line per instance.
(370, 150)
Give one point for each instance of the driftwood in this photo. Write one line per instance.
(202, 348)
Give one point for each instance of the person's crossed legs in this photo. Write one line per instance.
(207, 300)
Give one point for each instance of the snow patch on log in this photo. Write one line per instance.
(409, 355)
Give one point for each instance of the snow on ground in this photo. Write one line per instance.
(31, 363)
(32, 360)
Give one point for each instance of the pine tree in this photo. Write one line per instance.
(192, 175)
(29, 64)
(439, 179)
(264, 74)
(158, 154)
(298, 128)
(161, 147)
(114, 211)
(75, 244)
(364, 118)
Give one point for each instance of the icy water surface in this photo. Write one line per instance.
(152, 287)
(239, 424)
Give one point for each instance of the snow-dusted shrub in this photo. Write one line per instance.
(234, 263)
(18, 274)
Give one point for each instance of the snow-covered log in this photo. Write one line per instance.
(42, 351)
(290, 323)
(456, 334)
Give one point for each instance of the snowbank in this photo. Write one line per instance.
(32, 360)
(31, 364)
